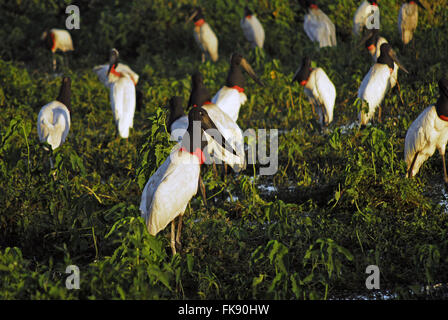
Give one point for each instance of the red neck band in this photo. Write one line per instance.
(371, 47)
(239, 89)
(54, 42)
(115, 72)
(444, 118)
(249, 16)
(313, 6)
(199, 23)
(198, 153)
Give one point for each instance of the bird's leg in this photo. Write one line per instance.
(445, 176)
(313, 108)
(214, 169)
(379, 115)
(202, 187)
(173, 241)
(179, 229)
(203, 57)
(54, 62)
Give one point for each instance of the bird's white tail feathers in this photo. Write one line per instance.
(123, 105)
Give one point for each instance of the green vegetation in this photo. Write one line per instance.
(338, 203)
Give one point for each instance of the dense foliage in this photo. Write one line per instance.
(338, 203)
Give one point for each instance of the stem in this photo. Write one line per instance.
(28, 151)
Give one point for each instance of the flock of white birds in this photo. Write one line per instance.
(168, 192)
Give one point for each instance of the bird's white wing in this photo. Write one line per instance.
(209, 41)
(178, 128)
(375, 85)
(230, 101)
(326, 92)
(419, 134)
(127, 71)
(123, 104)
(407, 21)
(101, 72)
(53, 124)
(231, 132)
(169, 191)
(311, 27)
(253, 31)
(329, 31)
(63, 40)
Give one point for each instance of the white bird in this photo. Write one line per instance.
(428, 133)
(53, 121)
(317, 25)
(408, 20)
(204, 35)
(252, 28)
(364, 11)
(319, 89)
(168, 192)
(231, 96)
(376, 83)
(373, 42)
(121, 81)
(57, 39)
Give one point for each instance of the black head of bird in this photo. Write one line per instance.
(199, 92)
(370, 39)
(417, 2)
(309, 3)
(196, 15)
(65, 92)
(235, 76)
(247, 12)
(194, 140)
(303, 73)
(388, 57)
(442, 102)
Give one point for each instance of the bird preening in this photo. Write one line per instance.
(53, 121)
(319, 89)
(252, 29)
(121, 82)
(57, 40)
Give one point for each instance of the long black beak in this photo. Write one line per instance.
(207, 123)
(246, 66)
(420, 4)
(366, 37)
(394, 57)
(192, 16)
